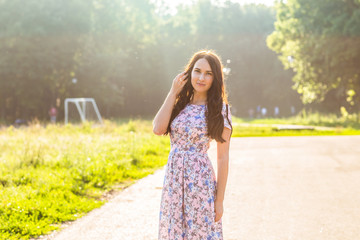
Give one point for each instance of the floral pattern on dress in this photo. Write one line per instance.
(189, 187)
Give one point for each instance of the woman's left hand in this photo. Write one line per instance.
(219, 209)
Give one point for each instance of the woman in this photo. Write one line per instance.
(194, 112)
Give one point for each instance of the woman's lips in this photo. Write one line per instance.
(201, 84)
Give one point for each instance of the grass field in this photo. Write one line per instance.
(270, 131)
(315, 119)
(335, 125)
(58, 173)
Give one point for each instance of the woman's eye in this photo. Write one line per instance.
(209, 74)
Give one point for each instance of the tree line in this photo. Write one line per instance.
(320, 41)
(125, 54)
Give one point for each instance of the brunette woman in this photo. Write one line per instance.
(194, 112)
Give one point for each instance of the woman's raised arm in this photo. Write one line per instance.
(162, 118)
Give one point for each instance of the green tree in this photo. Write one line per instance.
(321, 40)
(125, 54)
(238, 34)
(38, 45)
(108, 46)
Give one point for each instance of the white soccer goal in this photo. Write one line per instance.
(82, 109)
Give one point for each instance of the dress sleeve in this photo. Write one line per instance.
(226, 122)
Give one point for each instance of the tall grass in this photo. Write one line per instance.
(312, 118)
(58, 173)
(269, 131)
(345, 124)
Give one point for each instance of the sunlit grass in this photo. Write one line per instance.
(268, 131)
(333, 125)
(315, 119)
(58, 173)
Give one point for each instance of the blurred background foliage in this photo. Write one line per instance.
(320, 41)
(125, 54)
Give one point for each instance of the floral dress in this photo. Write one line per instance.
(187, 203)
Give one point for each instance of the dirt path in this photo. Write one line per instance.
(279, 188)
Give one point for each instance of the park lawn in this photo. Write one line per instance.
(53, 174)
(58, 173)
(266, 127)
(269, 131)
(351, 121)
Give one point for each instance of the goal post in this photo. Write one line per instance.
(81, 105)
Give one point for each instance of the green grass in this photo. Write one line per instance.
(337, 125)
(351, 121)
(58, 173)
(253, 131)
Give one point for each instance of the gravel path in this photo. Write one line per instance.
(279, 188)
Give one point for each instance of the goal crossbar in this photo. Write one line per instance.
(81, 108)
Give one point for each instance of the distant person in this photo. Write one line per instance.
(258, 111)
(18, 122)
(53, 114)
(292, 109)
(276, 111)
(263, 112)
(251, 113)
(192, 197)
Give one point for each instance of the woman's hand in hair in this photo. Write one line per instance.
(178, 83)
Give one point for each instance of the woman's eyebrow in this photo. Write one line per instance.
(200, 69)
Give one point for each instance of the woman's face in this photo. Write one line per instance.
(202, 76)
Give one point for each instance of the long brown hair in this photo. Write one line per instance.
(216, 95)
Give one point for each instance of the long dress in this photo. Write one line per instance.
(189, 189)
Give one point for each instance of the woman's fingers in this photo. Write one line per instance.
(217, 217)
(179, 82)
(218, 211)
(182, 76)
